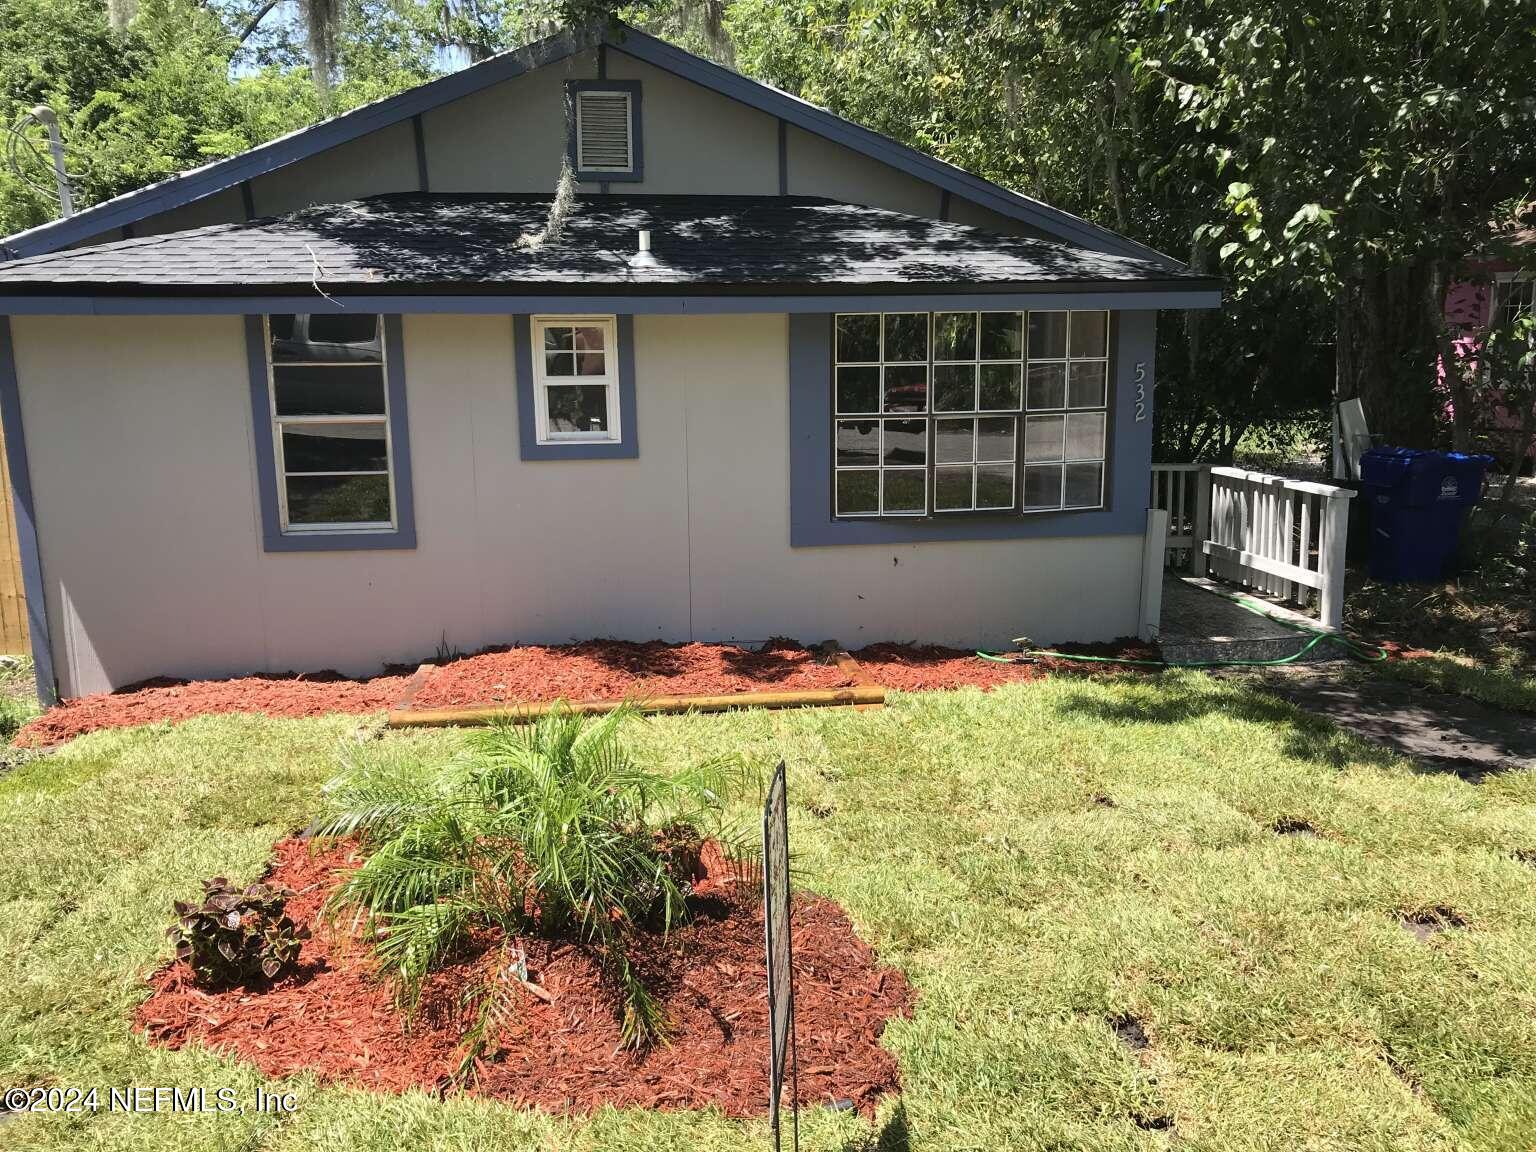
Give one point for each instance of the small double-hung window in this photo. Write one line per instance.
(331, 428)
(576, 379)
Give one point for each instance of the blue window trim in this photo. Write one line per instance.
(636, 139)
(274, 539)
(1128, 457)
(626, 447)
(26, 521)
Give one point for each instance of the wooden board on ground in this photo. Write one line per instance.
(859, 694)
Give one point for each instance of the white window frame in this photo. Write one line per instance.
(1501, 288)
(1067, 411)
(609, 379)
(629, 133)
(1019, 465)
(280, 422)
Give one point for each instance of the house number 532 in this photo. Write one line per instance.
(1141, 391)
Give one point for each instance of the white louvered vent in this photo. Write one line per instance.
(604, 132)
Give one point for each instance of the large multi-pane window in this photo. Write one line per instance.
(330, 415)
(953, 412)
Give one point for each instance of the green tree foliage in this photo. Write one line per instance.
(1051, 101)
(135, 105)
(1367, 150)
(1336, 162)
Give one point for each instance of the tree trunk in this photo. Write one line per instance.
(1385, 354)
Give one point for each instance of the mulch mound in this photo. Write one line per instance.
(277, 694)
(332, 1018)
(614, 669)
(926, 668)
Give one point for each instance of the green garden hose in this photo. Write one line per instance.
(1369, 653)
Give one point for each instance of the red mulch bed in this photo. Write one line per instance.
(277, 694)
(593, 670)
(926, 667)
(613, 669)
(331, 1018)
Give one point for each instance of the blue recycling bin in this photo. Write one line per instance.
(1417, 501)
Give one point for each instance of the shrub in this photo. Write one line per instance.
(549, 828)
(236, 934)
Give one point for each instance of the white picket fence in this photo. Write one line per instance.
(1285, 538)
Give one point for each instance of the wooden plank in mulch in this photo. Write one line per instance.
(412, 686)
(858, 674)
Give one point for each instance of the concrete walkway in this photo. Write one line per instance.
(1441, 731)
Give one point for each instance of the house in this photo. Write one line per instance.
(1496, 289)
(323, 405)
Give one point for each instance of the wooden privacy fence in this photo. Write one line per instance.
(1282, 537)
(13, 603)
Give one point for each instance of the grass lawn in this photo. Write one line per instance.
(1477, 633)
(1039, 860)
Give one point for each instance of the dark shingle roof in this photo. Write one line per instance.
(469, 244)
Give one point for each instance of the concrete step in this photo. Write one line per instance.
(1203, 650)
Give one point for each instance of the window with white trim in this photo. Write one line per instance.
(330, 423)
(950, 413)
(1515, 297)
(576, 379)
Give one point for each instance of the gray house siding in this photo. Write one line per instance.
(143, 465)
(511, 137)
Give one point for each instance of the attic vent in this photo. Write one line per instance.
(605, 131)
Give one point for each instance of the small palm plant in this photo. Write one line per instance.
(548, 827)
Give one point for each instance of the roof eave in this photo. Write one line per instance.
(118, 299)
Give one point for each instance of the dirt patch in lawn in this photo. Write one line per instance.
(614, 669)
(924, 667)
(331, 1017)
(277, 694)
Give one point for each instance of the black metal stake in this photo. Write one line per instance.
(781, 980)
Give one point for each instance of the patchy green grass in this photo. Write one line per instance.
(18, 694)
(1041, 860)
(1477, 633)
(1504, 685)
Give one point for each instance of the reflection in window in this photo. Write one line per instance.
(330, 415)
(576, 383)
(948, 412)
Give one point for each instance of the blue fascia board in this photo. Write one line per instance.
(188, 186)
(500, 305)
(26, 521)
